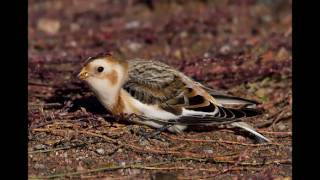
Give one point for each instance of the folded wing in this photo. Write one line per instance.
(156, 83)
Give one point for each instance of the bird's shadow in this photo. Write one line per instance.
(79, 96)
(236, 131)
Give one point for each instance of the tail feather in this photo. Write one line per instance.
(231, 100)
(250, 129)
(230, 113)
(223, 116)
(250, 112)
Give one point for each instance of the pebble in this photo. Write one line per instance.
(73, 44)
(241, 138)
(163, 175)
(80, 167)
(79, 158)
(235, 43)
(39, 146)
(122, 163)
(65, 155)
(149, 157)
(120, 150)
(267, 18)
(74, 27)
(184, 34)
(177, 53)
(49, 26)
(39, 166)
(133, 46)
(143, 142)
(225, 49)
(134, 171)
(132, 25)
(281, 126)
(206, 55)
(208, 151)
(283, 54)
(100, 151)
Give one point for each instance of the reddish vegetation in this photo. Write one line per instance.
(244, 47)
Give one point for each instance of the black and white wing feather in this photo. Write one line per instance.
(158, 84)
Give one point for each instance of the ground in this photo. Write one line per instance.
(243, 47)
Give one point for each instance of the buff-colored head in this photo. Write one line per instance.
(105, 75)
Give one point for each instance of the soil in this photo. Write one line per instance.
(243, 47)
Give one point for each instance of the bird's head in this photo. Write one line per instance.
(105, 74)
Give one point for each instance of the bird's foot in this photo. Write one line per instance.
(152, 135)
(132, 117)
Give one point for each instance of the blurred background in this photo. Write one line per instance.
(243, 46)
(205, 39)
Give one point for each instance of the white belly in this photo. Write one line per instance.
(150, 111)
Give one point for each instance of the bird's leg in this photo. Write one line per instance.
(155, 134)
(119, 117)
(132, 117)
(142, 132)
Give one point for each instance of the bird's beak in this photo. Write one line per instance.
(83, 74)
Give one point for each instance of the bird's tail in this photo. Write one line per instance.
(249, 128)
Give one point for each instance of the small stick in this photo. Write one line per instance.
(151, 167)
(56, 149)
(223, 172)
(289, 133)
(280, 118)
(130, 146)
(136, 166)
(45, 104)
(225, 141)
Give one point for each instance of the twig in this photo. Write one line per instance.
(127, 145)
(154, 151)
(151, 167)
(40, 96)
(40, 124)
(56, 149)
(285, 161)
(275, 117)
(58, 121)
(105, 176)
(223, 172)
(265, 123)
(45, 104)
(280, 118)
(289, 133)
(234, 169)
(34, 83)
(133, 166)
(225, 142)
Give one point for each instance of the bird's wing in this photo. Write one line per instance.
(156, 83)
(153, 83)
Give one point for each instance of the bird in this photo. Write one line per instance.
(162, 97)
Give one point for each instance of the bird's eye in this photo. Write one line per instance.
(100, 69)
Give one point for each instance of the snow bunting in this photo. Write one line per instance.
(160, 95)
